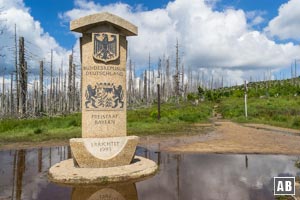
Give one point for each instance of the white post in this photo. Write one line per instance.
(246, 111)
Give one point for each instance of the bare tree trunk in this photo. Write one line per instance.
(3, 95)
(51, 84)
(149, 82)
(41, 92)
(11, 95)
(145, 86)
(65, 94)
(23, 76)
(70, 84)
(168, 79)
(130, 84)
(73, 88)
(182, 80)
(177, 72)
(17, 72)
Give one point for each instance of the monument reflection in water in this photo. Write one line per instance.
(24, 176)
(181, 176)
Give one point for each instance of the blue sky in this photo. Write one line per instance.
(233, 38)
(49, 15)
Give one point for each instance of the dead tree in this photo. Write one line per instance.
(70, 84)
(41, 89)
(182, 81)
(145, 86)
(130, 83)
(149, 82)
(167, 79)
(176, 76)
(73, 88)
(11, 96)
(17, 71)
(51, 84)
(23, 77)
(3, 95)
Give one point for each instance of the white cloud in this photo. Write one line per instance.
(38, 43)
(287, 24)
(255, 17)
(207, 38)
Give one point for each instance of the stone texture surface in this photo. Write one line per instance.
(113, 192)
(85, 23)
(101, 121)
(103, 152)
(65, 173)
(103, 81)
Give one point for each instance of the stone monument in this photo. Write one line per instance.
(104, 144)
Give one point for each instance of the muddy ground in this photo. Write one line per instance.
(229, 137)
(217, 137)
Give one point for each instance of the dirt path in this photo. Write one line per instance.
(218, 137)
(234, 138)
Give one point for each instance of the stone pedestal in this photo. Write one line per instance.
(104, 50)
(104, 154)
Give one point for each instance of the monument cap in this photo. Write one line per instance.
(83, 24)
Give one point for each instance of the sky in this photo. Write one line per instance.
(234, 39)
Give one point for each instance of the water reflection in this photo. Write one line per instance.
(181, 176)
(24, 172)
(115, 192)
(213, 176)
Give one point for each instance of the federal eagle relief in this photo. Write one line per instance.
(106, 46)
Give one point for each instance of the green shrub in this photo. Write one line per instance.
(296, 122)
(37, 131)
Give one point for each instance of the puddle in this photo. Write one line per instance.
(181, 176)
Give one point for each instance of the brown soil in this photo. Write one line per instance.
(193, 133)
(222, 137)
(235, 138)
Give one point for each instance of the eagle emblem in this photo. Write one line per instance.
(106, 46)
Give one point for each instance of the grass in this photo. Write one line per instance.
(35, 130)
(139, 122)
(277, 111)
(280, 111)
(174, 118)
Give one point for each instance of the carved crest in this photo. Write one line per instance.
(106, 46)
(104, 96)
